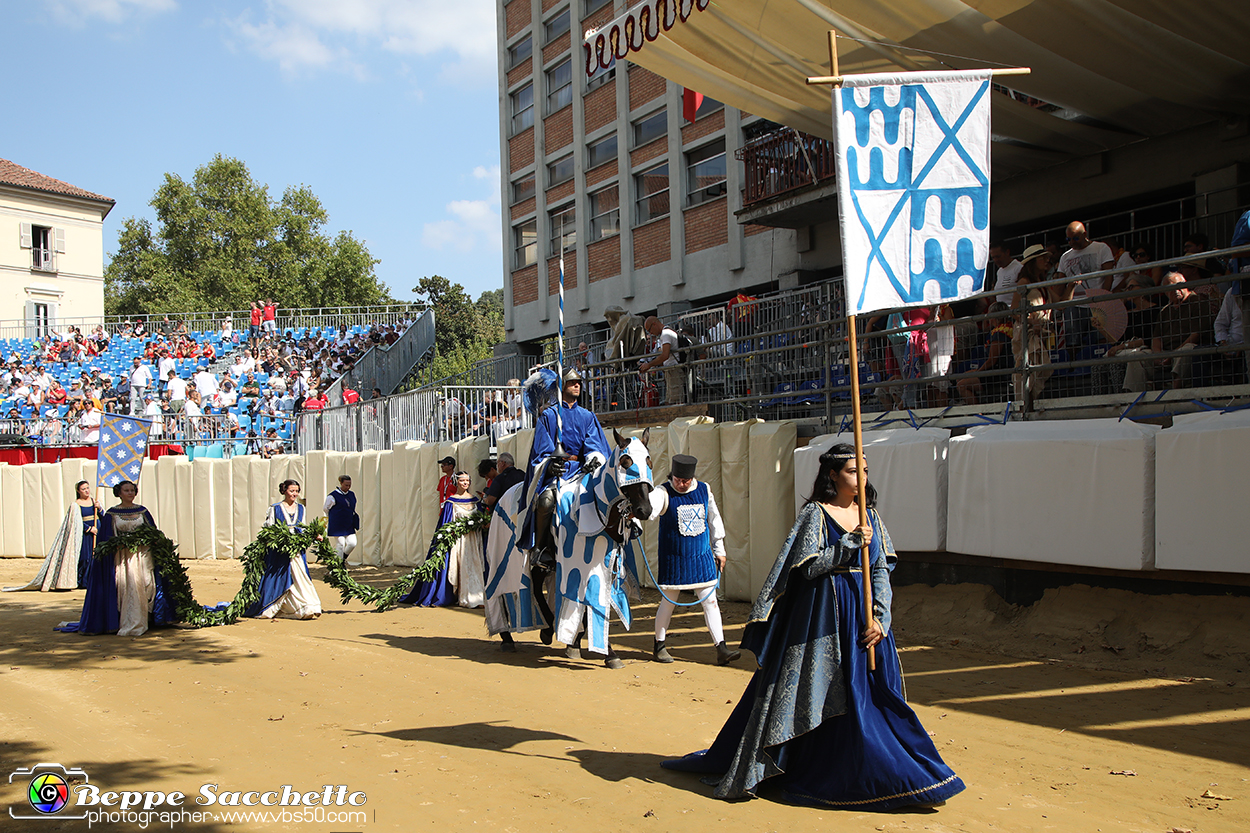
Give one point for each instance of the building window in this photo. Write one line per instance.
(605, 213)
(652, 189)
(523, 189)
(560, 170)
(523, 108)
(520, 52)
(563, 229)
(708, 105)
(650, 128)
(560, 85)
(43, 243)
(705, 173)
(557, 26)
(601, 151)
(525, 243)
(601, 76)
(596, 5)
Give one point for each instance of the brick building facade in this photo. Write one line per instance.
(606, 168)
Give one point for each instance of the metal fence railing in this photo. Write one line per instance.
(783, 161)
(386, 366)
(204, 322)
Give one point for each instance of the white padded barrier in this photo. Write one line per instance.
(1201, 466)
(1077, 492)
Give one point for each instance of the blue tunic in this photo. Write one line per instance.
(580, 435)
(685, 542)
(813, 718)
(342, 518)
(276, 579)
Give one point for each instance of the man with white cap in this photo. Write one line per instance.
(691, 553)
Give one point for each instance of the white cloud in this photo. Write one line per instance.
(472, 224)
(78, 12)
(318, 34)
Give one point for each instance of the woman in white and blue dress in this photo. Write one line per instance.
(286, 590)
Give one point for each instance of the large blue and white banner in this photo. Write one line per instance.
(913, 153)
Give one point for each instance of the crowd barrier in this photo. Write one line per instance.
(1080, 493)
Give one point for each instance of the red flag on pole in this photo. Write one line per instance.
(690, 103)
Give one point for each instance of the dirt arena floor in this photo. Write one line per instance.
(1091, 710)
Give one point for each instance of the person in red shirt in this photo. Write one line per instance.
(447, 483)
(315, 401)
(253, 331)
(209, 353)
(56, 394)
(350, 397)
(269, 322)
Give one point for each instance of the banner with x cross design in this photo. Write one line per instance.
(123, 445)
(913, 156)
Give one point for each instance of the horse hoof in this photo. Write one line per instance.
(573, 653)
(614, 662)
(508, 647)
(545, 635)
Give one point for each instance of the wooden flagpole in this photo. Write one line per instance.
(835, 78)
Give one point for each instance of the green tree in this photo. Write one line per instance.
(465, 331)
(221, 242)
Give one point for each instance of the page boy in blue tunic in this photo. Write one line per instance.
(691, 553)
(341, 518)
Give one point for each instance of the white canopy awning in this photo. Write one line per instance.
(1105, 72)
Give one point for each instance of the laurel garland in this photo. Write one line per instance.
(178, 593)
(291, 543)
(445, 537)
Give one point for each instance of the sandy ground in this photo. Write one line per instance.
(1037, 709)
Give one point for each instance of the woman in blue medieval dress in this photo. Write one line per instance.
(286, 590)
(125, 594)
(65, 565)
(461, 578)
(814, 720)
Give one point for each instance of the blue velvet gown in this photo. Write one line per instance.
(100, 612)
(278, 577)
(88, 544)
(875, 755)
(438, 591)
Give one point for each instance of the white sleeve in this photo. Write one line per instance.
(715, 526)
(270, 520)
(659, 501)
(1224, 320)
(329, 504)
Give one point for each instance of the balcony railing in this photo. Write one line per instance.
(784, 161)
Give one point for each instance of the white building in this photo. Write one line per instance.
(51, 251)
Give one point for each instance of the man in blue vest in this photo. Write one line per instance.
(341, 518)
(691, 553)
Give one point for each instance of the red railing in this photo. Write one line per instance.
(784, 161)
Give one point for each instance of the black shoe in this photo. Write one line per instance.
(660, 653)
(725, 654)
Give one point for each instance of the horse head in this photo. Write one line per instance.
(630, 465)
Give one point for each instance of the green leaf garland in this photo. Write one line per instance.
(448, 534)
(282, 538)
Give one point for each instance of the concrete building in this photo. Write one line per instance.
(51, 251)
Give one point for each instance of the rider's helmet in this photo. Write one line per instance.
(571, 375)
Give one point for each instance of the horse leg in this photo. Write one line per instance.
(538, 581)
(507, 646)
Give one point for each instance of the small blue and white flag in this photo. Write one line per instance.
(123, 446)
(913, 168)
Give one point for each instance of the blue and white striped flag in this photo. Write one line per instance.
(913, 155)
(123, 445)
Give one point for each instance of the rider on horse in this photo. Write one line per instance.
(561, 449)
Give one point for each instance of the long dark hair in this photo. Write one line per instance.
(831, 463)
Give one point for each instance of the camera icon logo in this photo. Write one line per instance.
(47, 792)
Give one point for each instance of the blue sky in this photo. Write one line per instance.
(386, 109)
